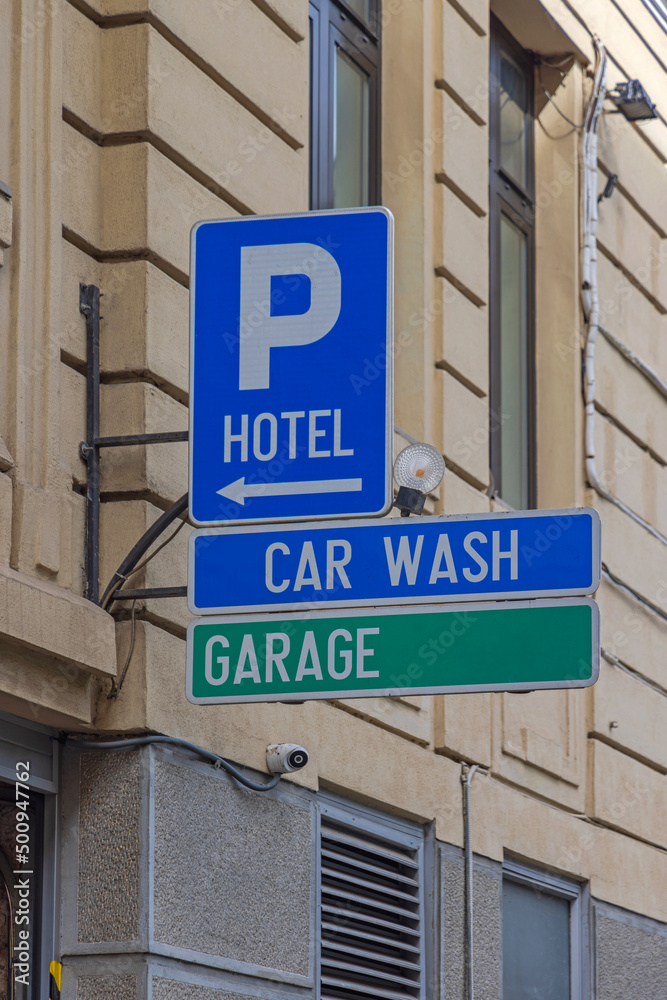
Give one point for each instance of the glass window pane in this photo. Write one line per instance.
(513, 120)
(513, 417)
(536, 944)
(351, 133)
(362, 8)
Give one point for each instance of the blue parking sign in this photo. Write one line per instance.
(291, 414)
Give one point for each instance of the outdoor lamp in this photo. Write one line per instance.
(418, 470)
(633, 102)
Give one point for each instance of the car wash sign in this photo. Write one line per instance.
(291, 382)
(395, 561)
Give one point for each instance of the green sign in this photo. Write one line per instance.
(491, 646)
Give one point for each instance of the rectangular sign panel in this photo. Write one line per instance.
(395, 561)
(516, 646)
(291, 413)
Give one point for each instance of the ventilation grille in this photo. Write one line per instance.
(371, 917)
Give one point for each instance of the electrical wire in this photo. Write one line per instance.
(626, 668)
(627, 589)
(549, 97)
(546, 61)
(575, 127)
(404, 434)
(138, 741)
(635, 360)
(158, 549)
(115, 687)
(142, 546)
(124, 577)
(589, 285)
(550, 135)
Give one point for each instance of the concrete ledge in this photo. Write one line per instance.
(45, 690)
(49, 620)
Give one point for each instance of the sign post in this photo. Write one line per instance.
(291, 420)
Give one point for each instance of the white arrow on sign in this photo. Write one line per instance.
(238, 491)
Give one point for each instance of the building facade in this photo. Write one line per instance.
(530, 348)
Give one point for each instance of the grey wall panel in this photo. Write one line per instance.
(232, 870)
(107, 987)
(487, 898)
(109, 849)
(171, 989)
(631, 956)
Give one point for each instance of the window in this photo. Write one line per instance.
(344, 102)
(512, 273)
(542, 935)
(26, 742)
(19, 980)
(371, 907)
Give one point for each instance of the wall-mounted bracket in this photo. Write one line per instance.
(146, 592)
(89, 306)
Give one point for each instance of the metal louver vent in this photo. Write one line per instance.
(371, 926)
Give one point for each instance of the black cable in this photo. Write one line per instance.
(547, 61)
(552, 101)
(634, 593)
(144, 562)
(138, 741)
(144, 543)
(117, 685)
(555, 137)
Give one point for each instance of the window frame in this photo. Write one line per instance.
(508, 198)
(576, 893)
(332, 23)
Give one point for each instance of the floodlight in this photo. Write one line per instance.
(418, 470)
(633, 102)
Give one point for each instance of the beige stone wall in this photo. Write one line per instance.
(106, 112)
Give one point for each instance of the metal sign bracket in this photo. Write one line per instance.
(89, 306)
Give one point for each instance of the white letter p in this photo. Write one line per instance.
(259, 330)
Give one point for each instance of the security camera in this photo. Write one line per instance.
(283, 758)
